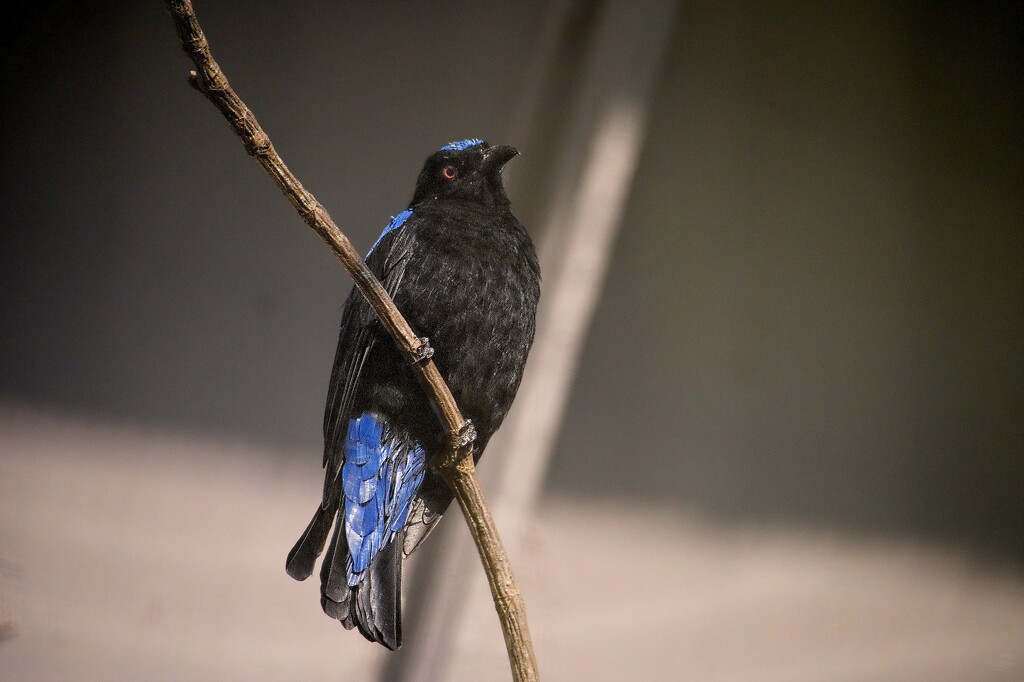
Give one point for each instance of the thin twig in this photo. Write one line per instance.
(457, 465)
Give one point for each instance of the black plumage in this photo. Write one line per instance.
(464, 272)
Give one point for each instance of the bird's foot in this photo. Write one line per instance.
(461, 447)
(464, 436)
(424, 351)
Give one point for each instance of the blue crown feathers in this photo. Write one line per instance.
(461, 144)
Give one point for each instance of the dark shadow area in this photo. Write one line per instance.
(150, 270)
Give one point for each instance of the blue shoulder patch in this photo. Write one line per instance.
(395, 223)
(380, 478)
(461, 144)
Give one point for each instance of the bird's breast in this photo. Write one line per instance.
(475, 289)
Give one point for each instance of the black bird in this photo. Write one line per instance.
(464, 272)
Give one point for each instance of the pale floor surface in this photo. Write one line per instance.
(128, 554)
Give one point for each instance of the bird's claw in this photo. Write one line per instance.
(462, 440)
(464, 436)
(424, 351)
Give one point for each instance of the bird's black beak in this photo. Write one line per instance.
(497, 156)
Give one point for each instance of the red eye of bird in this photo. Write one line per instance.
(449, 172)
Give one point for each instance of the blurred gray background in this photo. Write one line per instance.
(813, 322)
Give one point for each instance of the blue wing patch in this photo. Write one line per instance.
(395, 223)
(380, 478)
(461, 144)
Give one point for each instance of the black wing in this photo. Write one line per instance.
(355, 342)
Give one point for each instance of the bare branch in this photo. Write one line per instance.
(457, 465)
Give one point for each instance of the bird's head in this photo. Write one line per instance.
(468, 170)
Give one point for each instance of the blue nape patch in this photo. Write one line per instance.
(395, 223)
(380, 478)
(461, 144)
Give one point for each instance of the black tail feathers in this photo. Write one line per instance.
(303, 555)
(375, 604)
